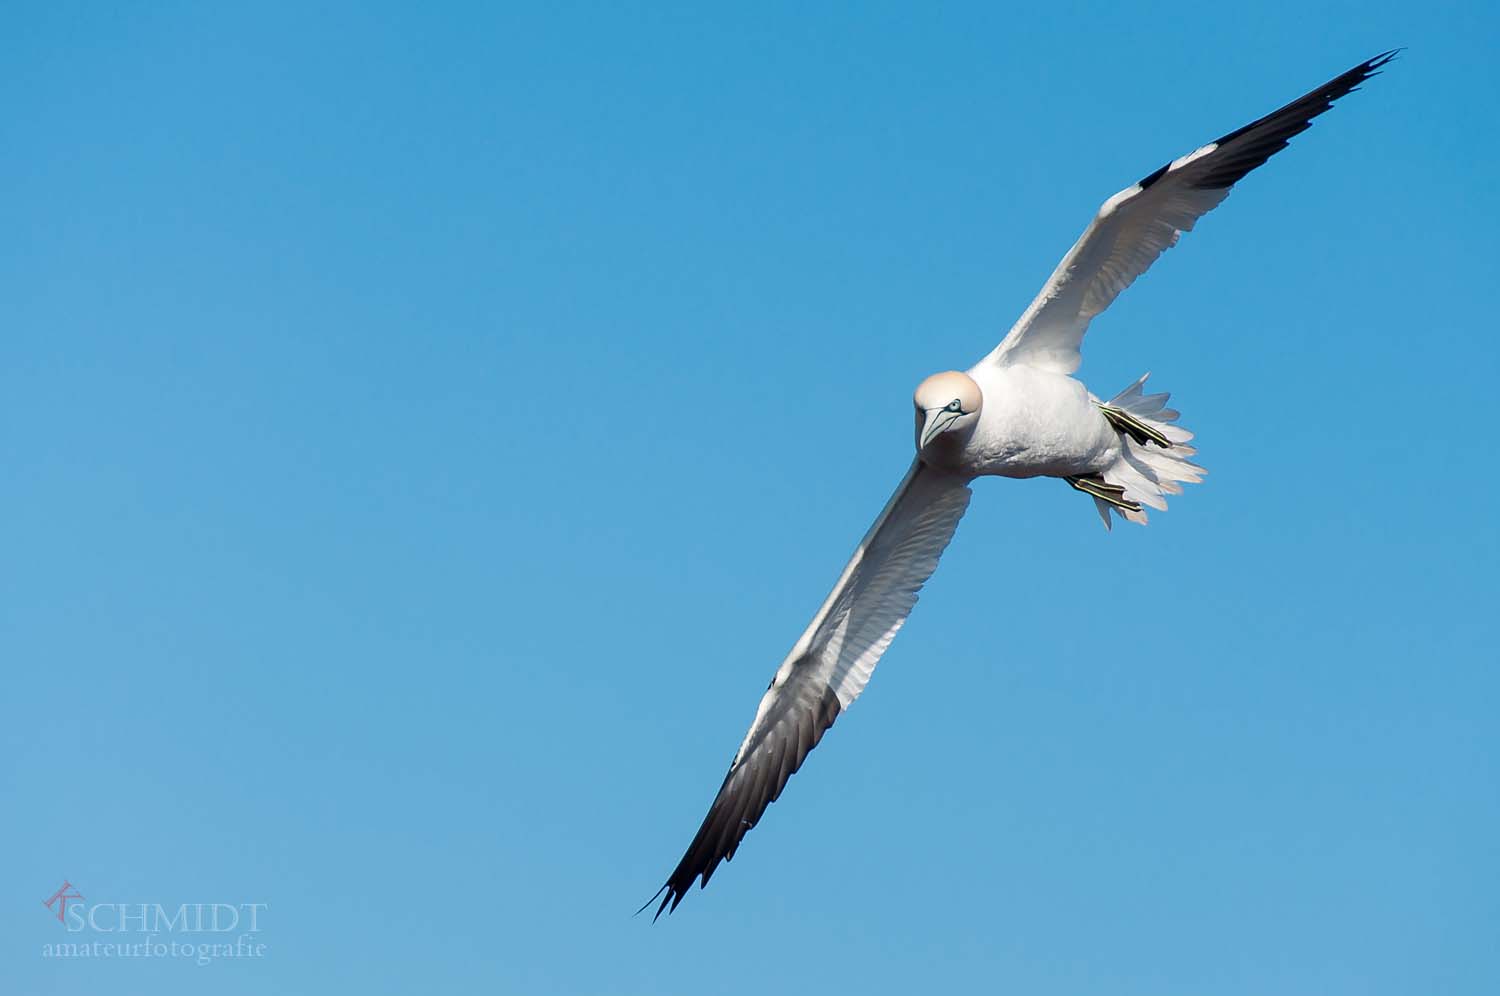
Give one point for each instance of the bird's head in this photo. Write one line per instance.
(946, 403)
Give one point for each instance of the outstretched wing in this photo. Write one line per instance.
(829, 665)
(1141, 222)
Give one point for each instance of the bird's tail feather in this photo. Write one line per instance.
(1147, 469)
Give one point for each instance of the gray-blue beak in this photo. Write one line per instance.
(938, 419)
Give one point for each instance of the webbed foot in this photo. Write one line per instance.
(1096, 486)
(1133, 427)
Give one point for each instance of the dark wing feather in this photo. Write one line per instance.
(1245, 148)
(751, 786)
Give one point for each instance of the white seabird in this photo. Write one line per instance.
(1017, 413)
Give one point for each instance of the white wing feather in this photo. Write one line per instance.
(1134, 227)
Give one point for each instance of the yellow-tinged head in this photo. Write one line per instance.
(946, 402)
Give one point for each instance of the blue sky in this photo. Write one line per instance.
(425, 431)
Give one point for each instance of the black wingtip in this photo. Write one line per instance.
(1371, 67)
(1340, 86)
(669, 902)
(650, 901)
(1360, 74)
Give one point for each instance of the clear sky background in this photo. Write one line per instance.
(424, 432)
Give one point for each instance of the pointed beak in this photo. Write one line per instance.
(938, 419)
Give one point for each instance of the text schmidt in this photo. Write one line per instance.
(153, 918)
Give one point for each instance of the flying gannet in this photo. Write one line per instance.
(1017, 413)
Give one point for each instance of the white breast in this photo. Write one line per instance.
(1036, 422)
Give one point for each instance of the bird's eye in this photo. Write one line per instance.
(954, 406)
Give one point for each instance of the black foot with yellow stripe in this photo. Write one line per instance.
(1111, 494)
(1133, 427)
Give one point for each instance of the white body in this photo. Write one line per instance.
(1033, 423)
